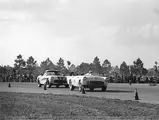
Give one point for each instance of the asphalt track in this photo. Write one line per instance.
(146, 92)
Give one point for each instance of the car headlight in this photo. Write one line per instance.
(52, 78)
(85, 78)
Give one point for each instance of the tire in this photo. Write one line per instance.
(91, 89)
(66, 86)
(39, 85)
(104, 88)
(71, 87)
(48, 85)
(57, 86)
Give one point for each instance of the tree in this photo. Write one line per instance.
(96, 65)
(124, 71)
(19, 65)
(6, 73)
(84, 68)
(47, 64)
(156, 63)
(78, 70)
(31, 63)
(19, 62)
(68, 64)
(156, 66)
(106, 66)
(138, 65)
(60, 64)
(144, 71)
(124, 68)
(72, 68)
(3, 70)
(116, 69)
(31, 67)
(156, 69)
(151, 72)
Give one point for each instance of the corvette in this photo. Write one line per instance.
(52, 77)
(90, 81)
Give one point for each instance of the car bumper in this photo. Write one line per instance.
(58, 82)
(94, 86)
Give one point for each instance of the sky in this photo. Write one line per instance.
(80, 30)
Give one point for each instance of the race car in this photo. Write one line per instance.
(88, 80)
(52, 77)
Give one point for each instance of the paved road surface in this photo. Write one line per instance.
(146, 92)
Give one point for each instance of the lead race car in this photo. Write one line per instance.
(52, 77)
(88, 80)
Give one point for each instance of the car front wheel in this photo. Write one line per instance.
(48, 85)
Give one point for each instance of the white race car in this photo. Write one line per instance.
(52, 77)
(88, 80)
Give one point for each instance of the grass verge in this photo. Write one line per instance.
(50, 106)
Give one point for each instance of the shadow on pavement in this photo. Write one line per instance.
(119, 91)
(112, 91)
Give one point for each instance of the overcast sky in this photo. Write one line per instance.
(80, 30)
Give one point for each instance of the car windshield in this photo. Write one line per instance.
(53, 73)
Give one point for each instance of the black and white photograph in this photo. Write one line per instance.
(79, 59)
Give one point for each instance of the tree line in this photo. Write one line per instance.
(28, 70)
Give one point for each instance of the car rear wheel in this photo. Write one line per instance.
(66, 86)
(39, 85)
(104, 88)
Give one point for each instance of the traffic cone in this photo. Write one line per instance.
(45, 86)
(136, 95)
(9, 85)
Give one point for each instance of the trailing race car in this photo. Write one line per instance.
(52, 77)
(88, 80)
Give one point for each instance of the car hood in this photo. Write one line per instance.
(88, 76)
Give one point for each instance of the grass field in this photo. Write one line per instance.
(50, 106)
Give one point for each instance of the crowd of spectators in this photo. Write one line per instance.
(30, 77)
(133, 79)
(17, 78)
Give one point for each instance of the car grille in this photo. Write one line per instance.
(96, 83)
(60, 80)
